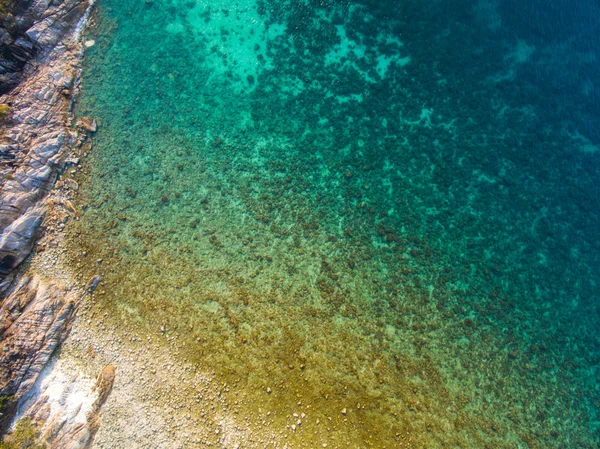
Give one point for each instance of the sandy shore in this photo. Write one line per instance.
(155, 401)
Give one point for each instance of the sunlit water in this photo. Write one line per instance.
(386, 212)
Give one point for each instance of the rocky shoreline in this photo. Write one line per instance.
(38, 141)
(78, 383)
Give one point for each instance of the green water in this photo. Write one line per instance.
(340, 205)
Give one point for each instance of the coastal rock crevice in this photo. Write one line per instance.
(29, 31)
(35, 137)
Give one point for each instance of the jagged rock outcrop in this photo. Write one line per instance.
(65, 407)
(29, 30)
(42, 53)
(35, 135)
(34, 320)
(16, 49)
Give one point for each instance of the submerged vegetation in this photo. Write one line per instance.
(358, 213)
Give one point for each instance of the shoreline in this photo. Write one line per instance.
(106, 375)
(61, 386)
(41, 138)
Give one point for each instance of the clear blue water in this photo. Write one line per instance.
(388, 207)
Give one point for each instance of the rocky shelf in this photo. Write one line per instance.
(42, 52)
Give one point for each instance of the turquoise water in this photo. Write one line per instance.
(388, 208)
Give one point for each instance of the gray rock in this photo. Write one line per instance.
(36, 136)
(36, 314)
(93, 284)
(18, 239)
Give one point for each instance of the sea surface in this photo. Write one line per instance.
(384, 212)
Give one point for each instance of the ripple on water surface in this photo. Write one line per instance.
(361, 213)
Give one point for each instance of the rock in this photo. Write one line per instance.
(48, 31)
(89, 124)
(68, 205)
(72, 185)
(37, 137)
(93, 283)
(104, 384)
(65, 406)
(35, 319)
(18, 238)
(35, 314)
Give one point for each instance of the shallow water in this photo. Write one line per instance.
(378, 208)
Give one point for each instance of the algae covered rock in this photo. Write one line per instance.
(5, 111)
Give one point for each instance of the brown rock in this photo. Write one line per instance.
(89, 124)
(104, 384)
(36, 318)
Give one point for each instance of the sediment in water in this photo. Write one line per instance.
(323, 216)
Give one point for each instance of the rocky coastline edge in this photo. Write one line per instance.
(42, 55)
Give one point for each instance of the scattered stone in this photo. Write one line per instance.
(71, 184)
(89, 124)
(93, 283)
